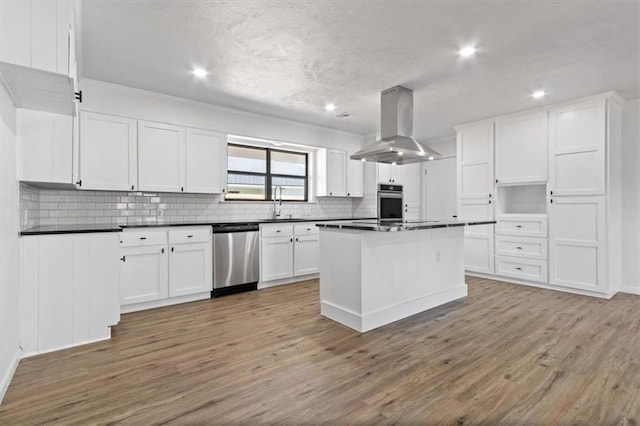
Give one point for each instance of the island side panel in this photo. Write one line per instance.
(340, 276)
(404, 273)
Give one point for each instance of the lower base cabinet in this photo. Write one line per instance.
(69, 290)
(288, 250)
(165, 266)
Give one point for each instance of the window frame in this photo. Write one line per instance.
(268, 175)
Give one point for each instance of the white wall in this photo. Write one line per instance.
(631, 196)
(9, 245)
(119, 100)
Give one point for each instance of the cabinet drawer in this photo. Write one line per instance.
(532, 248)
(192, 235)
(526, 227)
(276, 230)
(526, 269)
(143, 238)
(307, 228)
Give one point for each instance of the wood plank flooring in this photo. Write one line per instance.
(506, 354)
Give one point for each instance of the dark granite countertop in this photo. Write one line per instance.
(75, 229)
(368, 225)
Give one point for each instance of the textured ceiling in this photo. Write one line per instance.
(289, 58)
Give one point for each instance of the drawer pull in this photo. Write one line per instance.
(519, 248)
(277, 230)
(308, 229)
(518, 226)
(143, 238)
(518, 268)
(189, 236)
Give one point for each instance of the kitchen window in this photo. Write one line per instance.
(254, 172)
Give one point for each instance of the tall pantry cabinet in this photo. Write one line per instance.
(551, 179)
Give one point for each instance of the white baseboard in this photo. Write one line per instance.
(630, 290)
(164, 302)
(8, 375)
(284, 281)
(371, 320)
(539, 285)
(72, 345)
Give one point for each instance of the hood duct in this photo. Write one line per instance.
(397, 145)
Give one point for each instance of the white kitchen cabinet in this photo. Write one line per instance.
(45, 147)
(161, 157)
(411, 187)
(108, 152)
(277, 258)
(577, 140)
(577, 243)
(475, 160)
(521, 148)
(331, 173)
(143, 274)
(69, 291)
(355, 174)
(206, 161)
(37, 54)
(439, 190)
(478, 240)
(165, 266)
(385, 173)
(190, 261)
(306, 255)
(288, 250)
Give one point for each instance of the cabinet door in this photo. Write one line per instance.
(354, 178)
(577, 149)
(384, 173)
(108, 152)
(475, 161)
(277, 258)
(336, 173)
(306, 255)
(439, 190)
(143, 274)
(478, 240)
(521, 149)
(190, 269)
(45, 146)
(206, 163)
(161, 157)
(577, 256)
(15, 32)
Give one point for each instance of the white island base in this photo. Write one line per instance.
(369, 279)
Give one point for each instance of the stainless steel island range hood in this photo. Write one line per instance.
(397, 145)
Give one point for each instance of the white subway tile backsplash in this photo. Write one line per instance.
(41, 206)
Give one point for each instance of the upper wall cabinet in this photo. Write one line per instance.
(521, 149)
(37, 54)
(577, 142)
(337, 175)
(206, 161)
(45, 147)
(123, 154)
(161, 157)
(108, 152)
(475, 160)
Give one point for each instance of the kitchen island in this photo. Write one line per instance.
(372, 273)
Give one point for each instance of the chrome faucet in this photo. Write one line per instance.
(276, 201)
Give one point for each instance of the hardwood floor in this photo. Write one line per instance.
(506, 354)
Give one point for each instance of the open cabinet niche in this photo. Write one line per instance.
(522, 199)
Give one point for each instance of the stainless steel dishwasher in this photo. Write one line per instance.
(236, 258)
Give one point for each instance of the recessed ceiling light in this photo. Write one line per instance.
(200, 72)
(329, 107)
(430, 157)
(363, 160)
(465, 52)
(538, 94)
(400, 152)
